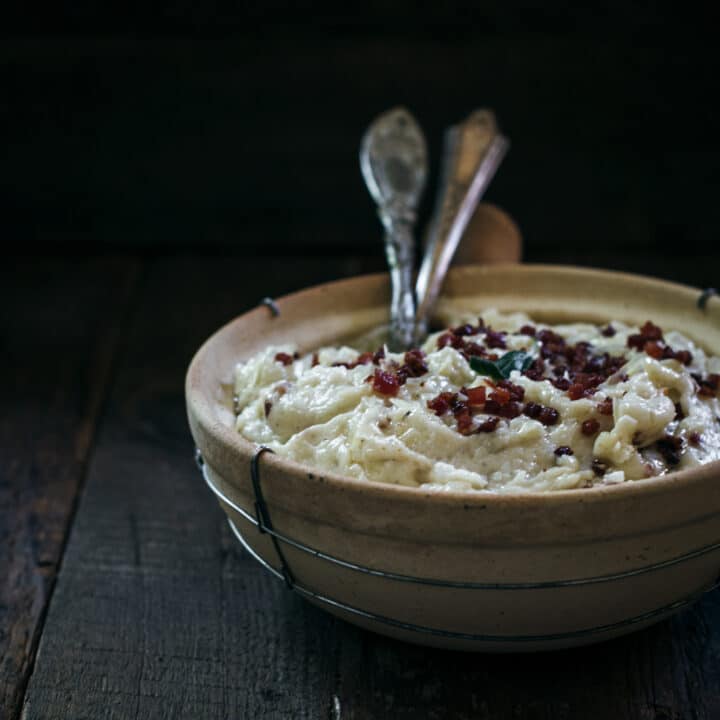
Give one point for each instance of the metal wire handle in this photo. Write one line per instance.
(264, 527)
(548, 637)
(264, 524)
(705, 295)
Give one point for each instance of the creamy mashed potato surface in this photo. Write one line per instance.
(496, 403)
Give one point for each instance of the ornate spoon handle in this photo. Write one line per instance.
(393, 160)
(473, 151)
(400, 253)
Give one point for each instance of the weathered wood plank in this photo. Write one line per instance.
(669, 672)
(698, 270)
(157, 614)
(59, 327)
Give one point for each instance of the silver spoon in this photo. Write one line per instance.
(393, 160)
(472, 152)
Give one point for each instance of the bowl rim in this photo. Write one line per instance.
(201, 407)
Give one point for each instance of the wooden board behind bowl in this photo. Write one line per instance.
(491, 237)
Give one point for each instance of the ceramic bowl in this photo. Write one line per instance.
(473, 571)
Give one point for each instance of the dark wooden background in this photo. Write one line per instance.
(163, 168)
(205, 128)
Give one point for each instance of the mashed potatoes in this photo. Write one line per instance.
(493, 404)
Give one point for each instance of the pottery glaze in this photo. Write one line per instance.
(468, 570)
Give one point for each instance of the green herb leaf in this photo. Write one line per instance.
(501, 369)
(486, 367)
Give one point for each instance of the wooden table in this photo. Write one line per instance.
(124, 594)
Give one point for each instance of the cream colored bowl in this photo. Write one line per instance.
(472, 571)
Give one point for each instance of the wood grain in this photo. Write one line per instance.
(159, 137)
(157, 613)
(60, 323)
